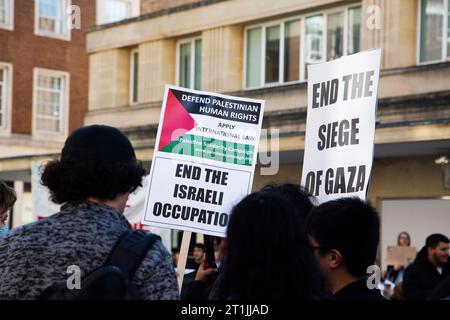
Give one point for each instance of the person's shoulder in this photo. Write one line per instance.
(30, 228)
(156, 275)
(156, 255)
(411, 268)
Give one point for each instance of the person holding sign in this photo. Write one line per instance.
(398, 258)
(97, 172)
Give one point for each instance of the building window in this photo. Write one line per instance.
(109, 11)
(279, 52)
(7, 14)
(51, 18)
(5, 96)
(189, 64)
(253, 58)
(51, 100)
(335, 35)
(434, 30)
(134, 76)
(272, 54)
(354, 30)
(314, 39)
(291, 51)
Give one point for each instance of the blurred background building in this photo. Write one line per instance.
(250, 48)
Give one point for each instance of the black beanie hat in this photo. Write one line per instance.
(97, 143)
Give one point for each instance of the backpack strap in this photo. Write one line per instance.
(130, 250)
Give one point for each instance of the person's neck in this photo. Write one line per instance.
(341, 280)
(110, 203)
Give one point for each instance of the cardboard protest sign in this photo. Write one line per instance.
(43, 207)
(204, 159)
(340, 126)
(401, 256)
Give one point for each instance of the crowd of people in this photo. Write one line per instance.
(279, 244)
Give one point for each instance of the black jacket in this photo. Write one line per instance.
(358, 290)
(421, 277)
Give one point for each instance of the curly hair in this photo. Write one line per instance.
(71, 181)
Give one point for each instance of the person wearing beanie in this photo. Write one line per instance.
(92, 180)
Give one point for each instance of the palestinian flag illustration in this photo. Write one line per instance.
(178, 134)
(176, 120)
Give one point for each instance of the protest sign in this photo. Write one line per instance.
(340, 126)
(400, 255)
(204, 159)
(43, 207)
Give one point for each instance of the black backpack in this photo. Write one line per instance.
(113, 280)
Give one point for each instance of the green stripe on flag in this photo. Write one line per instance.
(210, 148)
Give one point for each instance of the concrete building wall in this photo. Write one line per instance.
(109, 74)
(398, 177)
(222, 59)
(223, 52)
(156, 69)
(149, 6)
(391, 25)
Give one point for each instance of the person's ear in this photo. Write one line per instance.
(334, 259)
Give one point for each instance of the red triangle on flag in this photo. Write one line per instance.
(176, 122)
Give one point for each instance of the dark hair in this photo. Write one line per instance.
(433, 240)
(175, 250)
(350, 226)
(303, 200)
(7, 196)
(71, 181)
(200, 246)
(406, 234)
(268, 255)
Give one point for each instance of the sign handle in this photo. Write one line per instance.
(184, 250)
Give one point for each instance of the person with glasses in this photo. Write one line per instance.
(344, 236)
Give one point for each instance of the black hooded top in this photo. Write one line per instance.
(421, 277)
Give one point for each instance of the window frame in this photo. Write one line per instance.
(100, 4)
(9, 24)
(67, 32)
(5, 129)
(302, 64)
(132, 84)
(192, 41)
(445, 36)
(65, 107)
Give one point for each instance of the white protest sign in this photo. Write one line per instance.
(43, 207)
(204, 159)
(340, 126)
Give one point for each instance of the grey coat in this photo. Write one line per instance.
(35, 256)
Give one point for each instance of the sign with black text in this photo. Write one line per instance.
(340, 126)
(203, 161)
